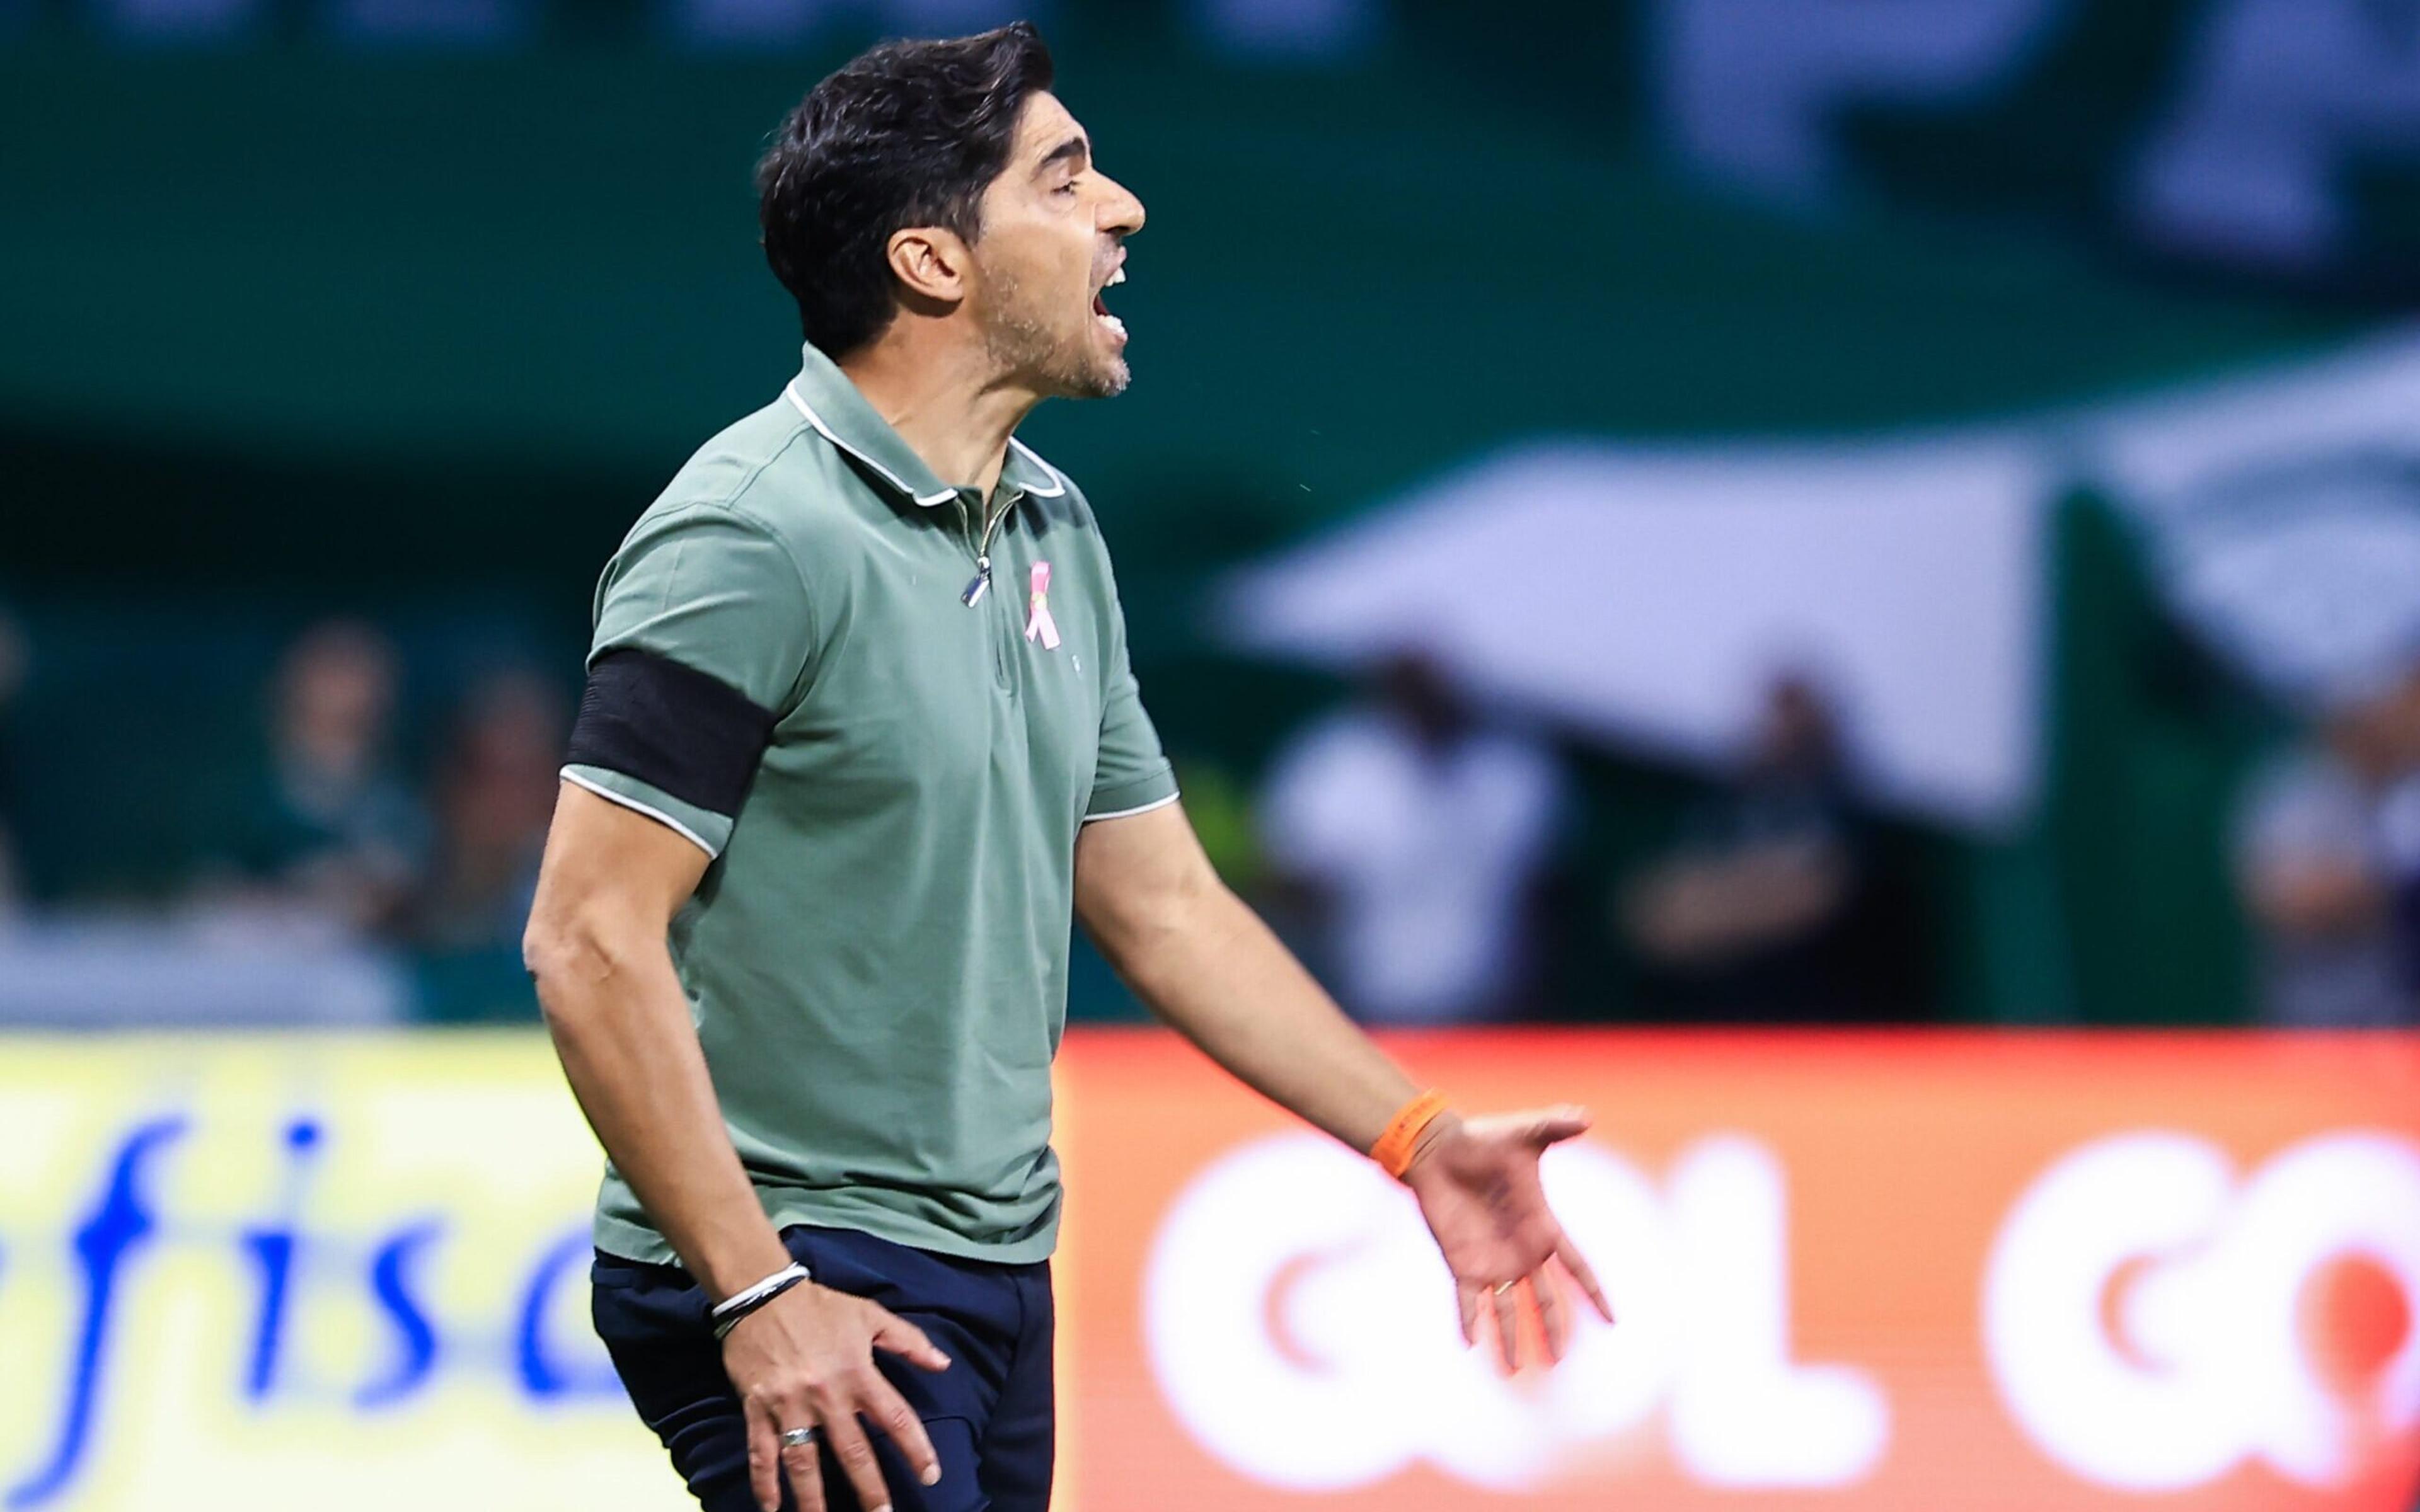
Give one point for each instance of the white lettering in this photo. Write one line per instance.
(1743, 1413)
(2143, 1313)
(1292, 1288)
(2281, 95)
(1750, 87)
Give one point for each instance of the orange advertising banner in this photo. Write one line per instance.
(1904, 1271)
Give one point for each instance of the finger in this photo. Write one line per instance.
(855, 1451)
(763, 1454)
(1508, 1325)
(1553, 1317)
(1557, 1124)
(801, 1464)
(1569, 1253)
(887, 1411)
(905, 1340)
(1465, 1296)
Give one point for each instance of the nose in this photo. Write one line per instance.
(1121, 212)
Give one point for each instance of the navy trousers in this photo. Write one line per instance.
(989, 1415)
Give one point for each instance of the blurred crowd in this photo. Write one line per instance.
(1416, 848)
(332, 840)
(335, 836)
(1425, 855)
(13, 662)
(2327, 858)
(1422, 853)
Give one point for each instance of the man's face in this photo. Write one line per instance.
(1052, 229)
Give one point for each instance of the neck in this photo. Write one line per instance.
(946, 399)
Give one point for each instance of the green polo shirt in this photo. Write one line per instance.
(876, 958)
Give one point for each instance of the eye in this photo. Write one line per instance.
(1067, 188)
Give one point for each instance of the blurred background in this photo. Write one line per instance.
(1892, 511)
(1646, 511)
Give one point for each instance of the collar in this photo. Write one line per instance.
(823, 394)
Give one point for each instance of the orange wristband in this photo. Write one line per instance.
(1394, 1149)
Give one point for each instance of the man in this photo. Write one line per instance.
(1773, 904)
(1417, 831)
(859, 737)
(2327, 856)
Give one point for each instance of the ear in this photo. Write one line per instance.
(931, 261)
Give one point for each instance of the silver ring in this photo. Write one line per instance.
(797, 1438)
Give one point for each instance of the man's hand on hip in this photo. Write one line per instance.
(1477, 1182)
(805, 1361)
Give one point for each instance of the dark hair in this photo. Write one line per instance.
(909, 133)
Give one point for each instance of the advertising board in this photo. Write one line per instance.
(1903, 1272)
(1886, 1272)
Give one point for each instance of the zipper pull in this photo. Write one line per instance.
(973, 594)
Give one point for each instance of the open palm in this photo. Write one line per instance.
(1477, 1182)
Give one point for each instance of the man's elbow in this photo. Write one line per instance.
(572, 954)
(1146, 924)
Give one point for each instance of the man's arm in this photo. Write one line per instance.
(1204, 963)
(1697, 909)
(1203, 960)
(607, 892)
(609, 884)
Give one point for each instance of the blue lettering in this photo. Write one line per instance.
(543, 1372)
(123, 1220)
(416, 1337)
(273, 1248)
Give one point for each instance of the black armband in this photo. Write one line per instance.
(682, 732)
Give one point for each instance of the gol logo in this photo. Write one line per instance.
(2153, 1322)
(1292, 1288)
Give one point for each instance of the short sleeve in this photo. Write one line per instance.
(1131, 773)
(704, 641)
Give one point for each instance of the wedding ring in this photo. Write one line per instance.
(1503, 1287)
(797, 1438)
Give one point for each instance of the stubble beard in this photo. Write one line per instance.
(1024, 349)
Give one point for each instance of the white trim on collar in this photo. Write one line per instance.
(1058, 479)
(790, 391)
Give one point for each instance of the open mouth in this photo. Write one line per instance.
(1108, 322)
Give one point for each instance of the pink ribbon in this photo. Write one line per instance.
(1038, 623)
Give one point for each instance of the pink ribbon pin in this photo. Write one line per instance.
(1038, 623)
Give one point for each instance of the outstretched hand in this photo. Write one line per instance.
(1477, 1182)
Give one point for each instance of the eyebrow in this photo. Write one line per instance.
(1074, 150)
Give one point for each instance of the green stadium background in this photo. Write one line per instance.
(293, 326)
